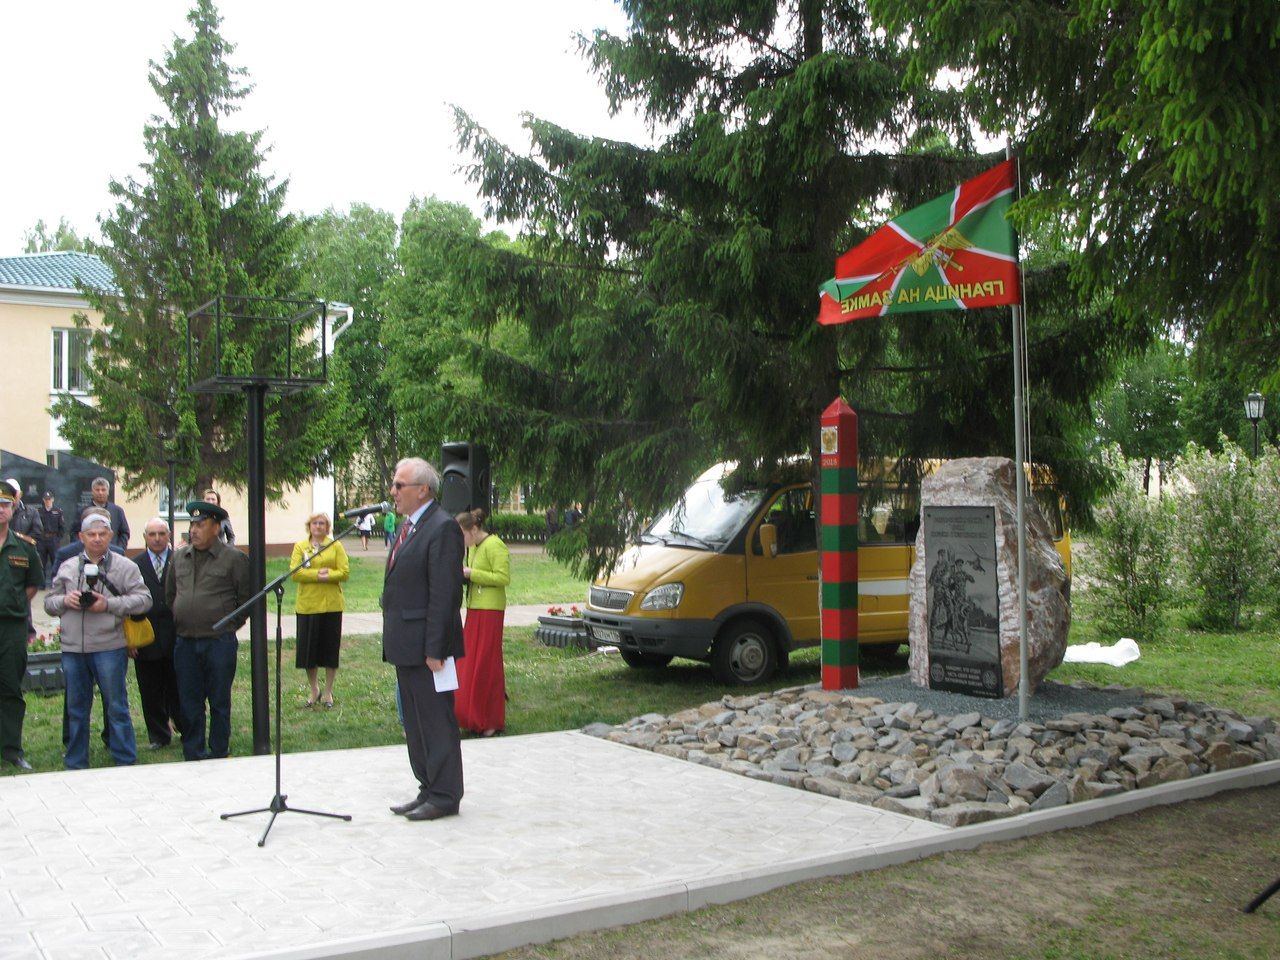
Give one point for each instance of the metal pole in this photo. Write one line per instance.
(169, 462)
(1020, 454)
(257, 460)
(1255, 439)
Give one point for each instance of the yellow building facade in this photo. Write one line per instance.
(44, 357)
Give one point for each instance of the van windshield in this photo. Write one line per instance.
(705, 516)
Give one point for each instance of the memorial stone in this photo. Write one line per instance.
(990, 482)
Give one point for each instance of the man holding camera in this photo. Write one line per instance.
(92, 594)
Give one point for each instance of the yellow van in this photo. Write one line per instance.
(701, 585)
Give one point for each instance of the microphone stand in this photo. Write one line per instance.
(276, 586)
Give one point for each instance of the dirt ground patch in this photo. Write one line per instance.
(1168, 882)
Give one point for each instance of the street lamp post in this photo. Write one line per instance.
(164, 437)
(1253, 407)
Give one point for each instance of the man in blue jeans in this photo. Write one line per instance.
(206, 580)
(92, 594)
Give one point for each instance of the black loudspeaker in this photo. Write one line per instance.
(464, 477)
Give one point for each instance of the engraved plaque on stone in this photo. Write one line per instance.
(962, 600)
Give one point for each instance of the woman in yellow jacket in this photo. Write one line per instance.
(320, 605)
(481, 700)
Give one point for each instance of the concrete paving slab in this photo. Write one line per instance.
(559, 832)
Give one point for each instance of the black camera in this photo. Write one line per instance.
(87, 599)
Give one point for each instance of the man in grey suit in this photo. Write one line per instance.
(421, 629)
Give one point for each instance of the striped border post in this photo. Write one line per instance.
(839, 472)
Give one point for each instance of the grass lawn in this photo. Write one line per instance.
(1239, 670)
(557, 689)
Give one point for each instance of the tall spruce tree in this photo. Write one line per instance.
(204, 220)
(670, 293)
(1152, 128)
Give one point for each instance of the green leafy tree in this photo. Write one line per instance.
(350, 258)
(668, 294)
(1140, 412)
(1132, 547)
(1224, 527)
(203, 221)
(1213, 405)
(1151, 127)
(429, 346)
(40, 239)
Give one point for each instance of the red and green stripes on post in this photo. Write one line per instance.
(839, 479)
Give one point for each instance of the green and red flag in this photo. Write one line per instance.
(956, 252)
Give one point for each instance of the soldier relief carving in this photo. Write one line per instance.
(962, 601)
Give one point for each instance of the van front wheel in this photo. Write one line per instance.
(637, 659)
(744, 653)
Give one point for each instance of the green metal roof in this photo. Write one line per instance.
(55, 271)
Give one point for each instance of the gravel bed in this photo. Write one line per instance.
(1050, 701)
(951, 758)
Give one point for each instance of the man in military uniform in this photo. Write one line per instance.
(54, 525)
(205, 581)
(20, 578)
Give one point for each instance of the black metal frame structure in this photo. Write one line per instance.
(287, 323)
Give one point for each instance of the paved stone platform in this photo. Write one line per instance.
(136, 863)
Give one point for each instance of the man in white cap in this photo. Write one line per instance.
(20, 578)
(92, 594)
(26, 520)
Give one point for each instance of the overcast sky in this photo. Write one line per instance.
(352, 95)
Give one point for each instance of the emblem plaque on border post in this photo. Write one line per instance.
(962, 600)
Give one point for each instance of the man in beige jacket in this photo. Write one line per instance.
(92, 593)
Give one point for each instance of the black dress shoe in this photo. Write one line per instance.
(20, 762)
(400, 809)
(429, 811)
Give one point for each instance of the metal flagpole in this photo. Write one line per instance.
(1019, 452)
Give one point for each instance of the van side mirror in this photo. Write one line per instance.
(769, 539)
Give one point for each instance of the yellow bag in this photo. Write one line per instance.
(138, 632)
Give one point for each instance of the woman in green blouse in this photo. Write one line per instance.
(481, 700)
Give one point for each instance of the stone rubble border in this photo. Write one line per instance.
(953, 770)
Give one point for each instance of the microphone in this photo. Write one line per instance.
(383, 507)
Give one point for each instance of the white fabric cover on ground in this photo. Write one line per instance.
(1118, 654)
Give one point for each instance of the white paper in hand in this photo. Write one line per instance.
(446, 677)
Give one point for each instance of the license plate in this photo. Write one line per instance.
(605, 635)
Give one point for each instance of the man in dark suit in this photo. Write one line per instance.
(153, 665)
(100, 489)
(421, 630)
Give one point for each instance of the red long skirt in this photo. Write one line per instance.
(481, 700)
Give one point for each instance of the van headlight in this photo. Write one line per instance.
(664, 597)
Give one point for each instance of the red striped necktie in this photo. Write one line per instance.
(404, 535)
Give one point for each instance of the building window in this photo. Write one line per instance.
(179, 506)
(71, 361)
